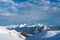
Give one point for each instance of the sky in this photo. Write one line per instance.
(30, 11)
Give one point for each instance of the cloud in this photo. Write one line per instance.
(29, 10)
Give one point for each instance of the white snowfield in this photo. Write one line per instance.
(6, 34)
(47, 35)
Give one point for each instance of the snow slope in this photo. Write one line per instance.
(47, 35)
(6, 34)
(23, 32)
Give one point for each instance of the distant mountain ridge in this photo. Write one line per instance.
(32, 28)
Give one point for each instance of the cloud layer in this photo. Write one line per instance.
(29, 10)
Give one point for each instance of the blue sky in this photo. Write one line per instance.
(29, 11)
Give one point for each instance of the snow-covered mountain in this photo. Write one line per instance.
(47, 35)
(29, 32)
(6, 34)
(30, 29)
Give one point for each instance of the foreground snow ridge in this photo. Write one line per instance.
(6, 34)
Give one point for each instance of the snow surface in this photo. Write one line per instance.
(16, 34)
(47, 35)
(6, 34)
